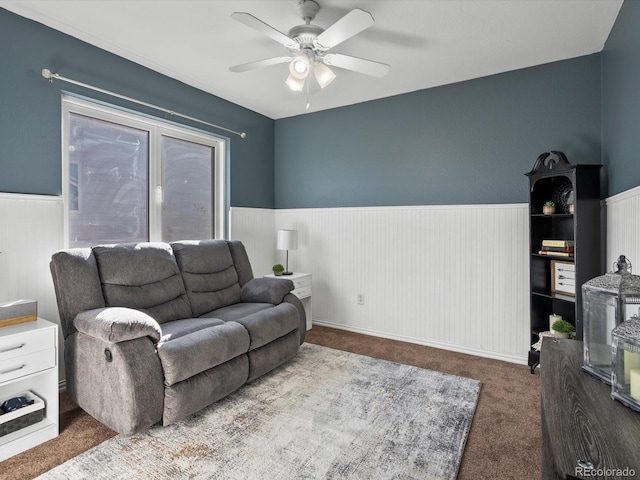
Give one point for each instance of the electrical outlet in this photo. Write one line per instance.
(360, 299)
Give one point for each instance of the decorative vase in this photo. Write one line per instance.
(277, 274)
(548, 210)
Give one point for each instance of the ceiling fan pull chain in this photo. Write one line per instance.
(308, 104)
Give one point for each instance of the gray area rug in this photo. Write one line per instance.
(325, 414)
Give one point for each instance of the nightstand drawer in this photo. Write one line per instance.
(27, 364)
(302, 292)
(18, 345)
(302, 282)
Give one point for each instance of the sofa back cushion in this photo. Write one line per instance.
(209, 274)
(76, 283)
(241, 261)
(143, 276)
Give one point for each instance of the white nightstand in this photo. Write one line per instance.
(302, 284)
(29, 361)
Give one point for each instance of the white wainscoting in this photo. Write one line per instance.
(255, 228)
(31, 229)
(623, 228)
(454, 277)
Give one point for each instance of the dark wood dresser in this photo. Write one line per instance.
(582, 427)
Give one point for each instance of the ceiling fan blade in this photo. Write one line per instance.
(259, 64)
(257, 24)
(360, 65)
(352, 23)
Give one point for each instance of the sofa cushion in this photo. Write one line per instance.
(209, 274)
(145, 277)
(240, 261)
(239, 310)
(271, 323)
(179, 328)
(194, 393)
(195, 352)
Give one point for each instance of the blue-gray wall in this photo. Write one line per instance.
(469, 142)
(465, 143)
(621, 100)
(30, 110)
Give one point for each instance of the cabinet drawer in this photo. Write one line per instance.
(302, 282)
(27, 364)
(303, 292)
(18, 345)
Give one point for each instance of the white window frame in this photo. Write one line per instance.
(157, 130)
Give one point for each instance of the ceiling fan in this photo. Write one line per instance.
(309, 47)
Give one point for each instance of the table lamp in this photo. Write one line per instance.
(287, 240)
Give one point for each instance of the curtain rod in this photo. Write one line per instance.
(46, 73)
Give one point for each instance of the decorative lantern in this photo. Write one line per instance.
(607, 301)
(625, 363)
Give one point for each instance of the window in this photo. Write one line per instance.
(129, 178)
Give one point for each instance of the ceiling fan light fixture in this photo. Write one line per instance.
(299, 66)
(295, 84)
(323, 74)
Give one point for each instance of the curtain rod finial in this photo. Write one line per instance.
(46, 73)
(243, 135)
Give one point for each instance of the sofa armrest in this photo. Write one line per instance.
(266, 290)
(302, 328)
(117, 324)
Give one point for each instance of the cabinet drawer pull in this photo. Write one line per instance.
(586, 465)
(15, 347)
(3, 372)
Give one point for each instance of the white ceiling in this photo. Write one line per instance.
(426, 42)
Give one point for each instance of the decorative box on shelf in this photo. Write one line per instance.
(563, 277)
(20, 311)
(22, 417)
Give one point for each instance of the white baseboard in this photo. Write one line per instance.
(426, 343)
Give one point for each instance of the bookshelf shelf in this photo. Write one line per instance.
(553, 257)
(553, 178)
(553, 215)
(555, 296)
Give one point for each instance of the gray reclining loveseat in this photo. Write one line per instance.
(156, 331)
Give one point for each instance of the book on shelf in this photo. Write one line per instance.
(558, 249)
(557, 243)
(555, 254)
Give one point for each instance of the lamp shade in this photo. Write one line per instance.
(299, 66)
(287, 240)
(295, 84)
(323, 74)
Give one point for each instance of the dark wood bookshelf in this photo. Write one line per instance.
(553, 178)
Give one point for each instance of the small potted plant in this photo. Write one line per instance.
(277, 269)
(562, 329)
(549, 208)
